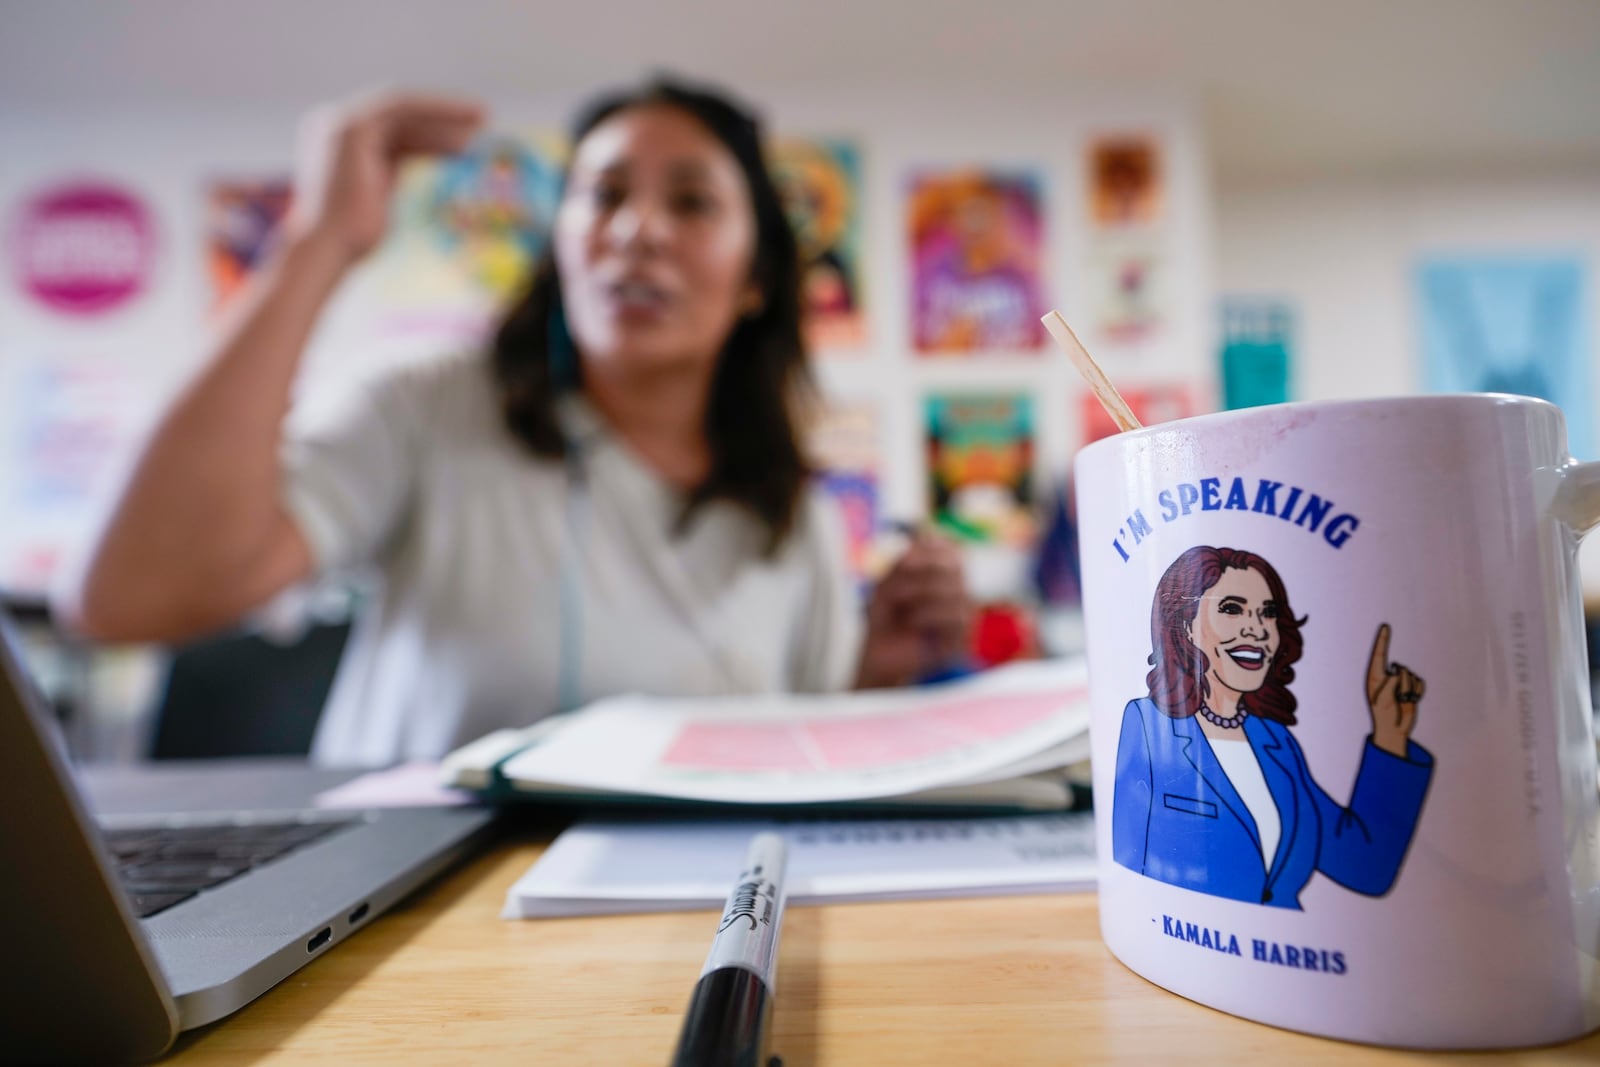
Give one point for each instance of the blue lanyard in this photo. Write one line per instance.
(576, 508)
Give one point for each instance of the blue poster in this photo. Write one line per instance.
(1511, 324)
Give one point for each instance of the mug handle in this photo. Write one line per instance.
(1577, 496)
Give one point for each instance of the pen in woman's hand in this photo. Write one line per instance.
(919, 619)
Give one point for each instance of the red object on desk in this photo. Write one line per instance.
(1003, 632)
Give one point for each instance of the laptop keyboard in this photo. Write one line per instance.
(166, 865)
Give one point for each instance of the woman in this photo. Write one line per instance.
(1212, 790)
(614, 500)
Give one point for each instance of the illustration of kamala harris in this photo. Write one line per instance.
(1212, 790)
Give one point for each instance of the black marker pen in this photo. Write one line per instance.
(726, 1025)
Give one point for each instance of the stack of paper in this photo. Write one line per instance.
(602, 868)
(1003, 738)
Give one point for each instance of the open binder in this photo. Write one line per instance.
(1015, 738)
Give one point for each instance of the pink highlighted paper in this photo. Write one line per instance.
(865, 742)
(737, 746)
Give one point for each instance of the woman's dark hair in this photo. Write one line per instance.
(761, 373)
(1177, 679)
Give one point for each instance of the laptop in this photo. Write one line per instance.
(189, 893)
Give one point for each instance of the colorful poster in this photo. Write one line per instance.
(820, 183)
(1511, 324)
(465, 233)
(68, 422)
(977, 250)
(241, 218)
(980, 466)
(1126, 288)
(1151, 404)
(846, 449)
(1257, 351)
(1125, 181)
(83, 248)
(856, 494)
(1125, 268)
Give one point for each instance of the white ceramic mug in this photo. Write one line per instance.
(1344, 757)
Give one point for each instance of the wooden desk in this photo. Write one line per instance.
(1009, 981)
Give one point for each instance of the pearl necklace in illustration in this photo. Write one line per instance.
(1217, 720)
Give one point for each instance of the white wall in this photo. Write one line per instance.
(1345, 255)
(167, 156)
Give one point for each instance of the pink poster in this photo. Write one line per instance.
(83, 248)
(977, 251)
(1151, 404)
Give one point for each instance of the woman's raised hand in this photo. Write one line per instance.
(1393, 693)
(349, 157)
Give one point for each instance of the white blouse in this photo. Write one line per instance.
(513, 585)
(1238, 759)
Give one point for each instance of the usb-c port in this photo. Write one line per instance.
(359, 914)
(323, 937)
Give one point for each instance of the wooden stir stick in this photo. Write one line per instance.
(1104, 391)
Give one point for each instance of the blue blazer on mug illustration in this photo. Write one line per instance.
(1176, 816)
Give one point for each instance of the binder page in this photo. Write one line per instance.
(798, 749)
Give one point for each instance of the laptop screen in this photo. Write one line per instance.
(71, 940)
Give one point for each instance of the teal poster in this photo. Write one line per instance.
(1256, 352)
(1511, 324)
